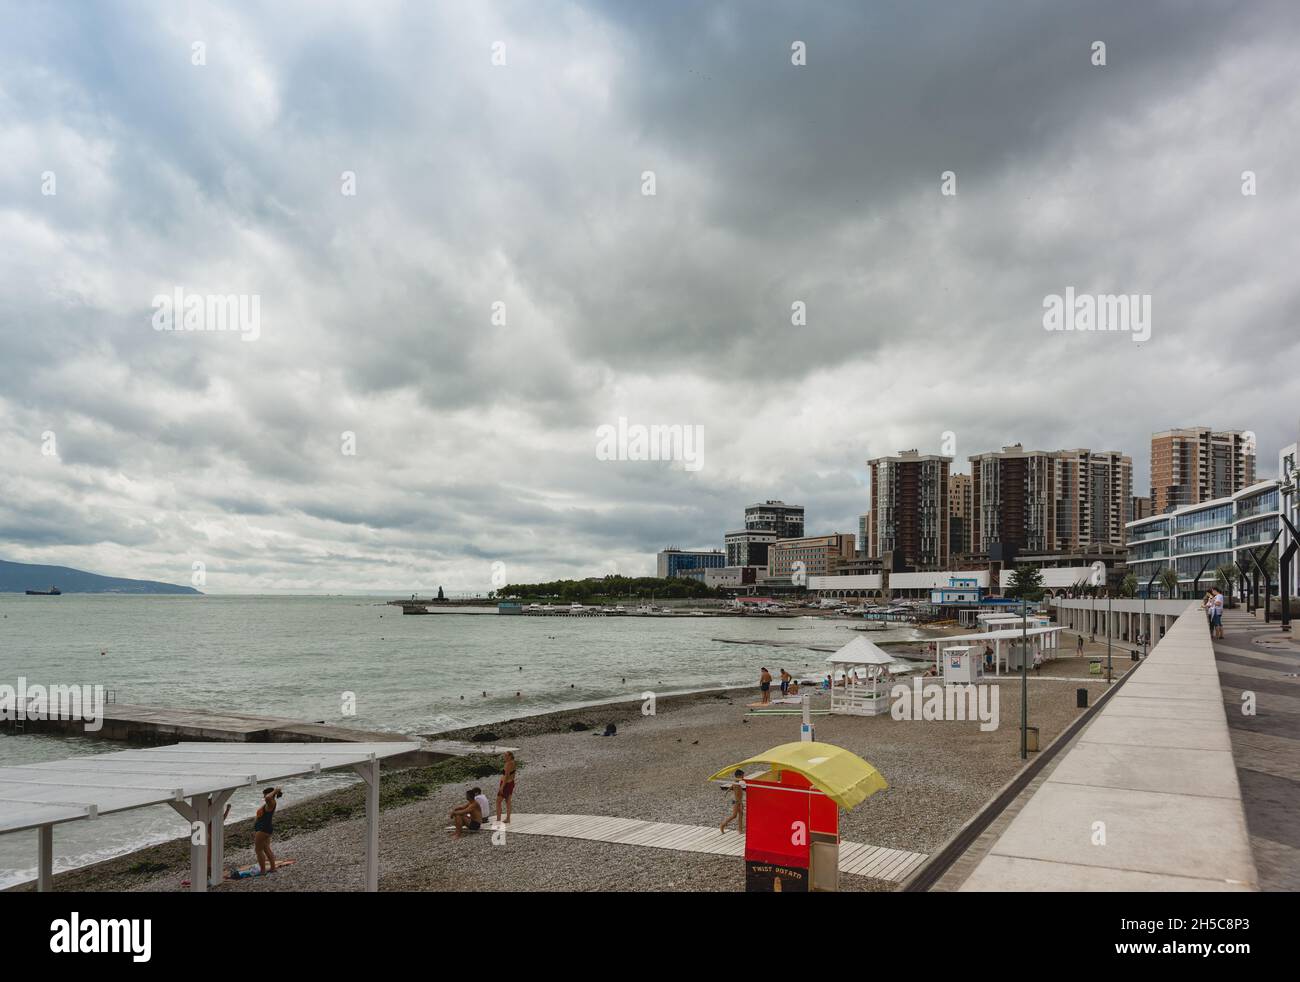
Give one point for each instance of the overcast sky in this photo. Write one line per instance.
(133, 451)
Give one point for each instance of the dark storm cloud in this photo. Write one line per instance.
(520, 185)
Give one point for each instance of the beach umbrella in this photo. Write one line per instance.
(840, 774)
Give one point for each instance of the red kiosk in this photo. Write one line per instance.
(792, 813)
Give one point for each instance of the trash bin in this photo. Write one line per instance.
(1031, 739)
(1081, 698)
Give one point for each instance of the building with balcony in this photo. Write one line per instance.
(1195, 540)
(1197, 464)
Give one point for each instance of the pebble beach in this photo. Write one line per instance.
(656, 768)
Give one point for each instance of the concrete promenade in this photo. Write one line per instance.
(1260, 665)
(1147, 797)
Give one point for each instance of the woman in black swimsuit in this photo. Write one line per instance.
(262, 828)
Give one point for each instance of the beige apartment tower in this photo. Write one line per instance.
(1198, 464)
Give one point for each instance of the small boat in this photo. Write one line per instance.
(51, 592)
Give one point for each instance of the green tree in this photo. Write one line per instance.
(1168, 580)
(1128, 587)
(1026, 583)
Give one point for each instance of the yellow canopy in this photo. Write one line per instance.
(842, 776)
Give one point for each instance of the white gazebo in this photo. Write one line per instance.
(862, 698)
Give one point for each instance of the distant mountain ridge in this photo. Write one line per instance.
(20, 577)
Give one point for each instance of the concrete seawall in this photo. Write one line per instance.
(1146, 798)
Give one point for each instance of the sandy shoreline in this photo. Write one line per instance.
(655, 769)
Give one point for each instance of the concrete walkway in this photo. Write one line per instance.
(1147, 797)
(856, 858)
(1258, 659)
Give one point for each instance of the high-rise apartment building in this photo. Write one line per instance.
(1043, 501)
(960, 505)
(909, 509)
(1094, 498)
(1013, 501)
(775, 516)
(1198, 464)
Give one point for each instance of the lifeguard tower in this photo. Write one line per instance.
(792, 802)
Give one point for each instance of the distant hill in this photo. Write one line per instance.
(18, 577)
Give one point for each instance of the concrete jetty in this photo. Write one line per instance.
(153, 725)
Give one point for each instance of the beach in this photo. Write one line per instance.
(656, 768)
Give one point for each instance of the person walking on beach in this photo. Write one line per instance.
(506, 789)
(737, 804)
(765, 685)
(263, 827)
(467, 816)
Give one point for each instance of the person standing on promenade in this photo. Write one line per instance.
(1216, 619)
(765, 685)
(506, 788)
(1207, 605)
(738, 802)
(1079, 647)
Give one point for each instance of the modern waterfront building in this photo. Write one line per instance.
(775, 516)
(1287, 460)
(1197, 464)
(1196, 540)
(674, 561)
(909, 509)
(747, 547)
(821, 555)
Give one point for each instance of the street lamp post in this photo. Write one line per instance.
(1109, 677)
(1024, 681)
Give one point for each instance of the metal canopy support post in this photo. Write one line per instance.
(195, 810)
(45, 859)
(369, 772)
(218, 836)
(1196, 584)
(1284, 571)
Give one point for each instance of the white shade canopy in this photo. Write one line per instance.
(860, 651)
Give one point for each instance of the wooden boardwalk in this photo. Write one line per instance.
(856, 858)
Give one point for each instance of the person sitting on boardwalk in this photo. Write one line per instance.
(263, 827)
(506, 788)
(738, 803)
(765, 685)
(467, 816)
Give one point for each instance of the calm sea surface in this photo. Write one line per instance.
(296, 656)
